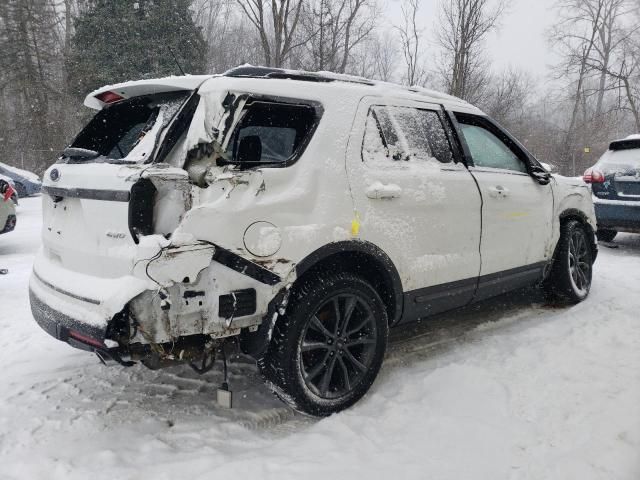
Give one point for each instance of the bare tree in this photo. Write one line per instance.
(30, 66)
(624, 69)
(276, 22)
(464, 24)
(231, 40)
(375, 57)
(410, 39)
(507, 98)
(384, 55)
(590, 36)
(332, 29)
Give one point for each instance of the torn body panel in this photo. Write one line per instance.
(189, 301)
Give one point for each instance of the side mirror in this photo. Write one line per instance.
(540, 174)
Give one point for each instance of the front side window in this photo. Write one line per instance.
(271, 133)
(487, 150)
(405, 133)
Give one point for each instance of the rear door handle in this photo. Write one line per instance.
(498, 191)
(379, 190)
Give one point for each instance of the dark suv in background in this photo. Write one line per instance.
(615, 183)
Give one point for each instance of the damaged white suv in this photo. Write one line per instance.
(299, 214)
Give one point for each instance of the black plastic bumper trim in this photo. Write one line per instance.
(64, 292)
(57, 324)
(89, 193)
(244, 266)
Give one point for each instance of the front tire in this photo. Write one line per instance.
(570, 278)
(327, 350)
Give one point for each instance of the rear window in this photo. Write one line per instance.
(128, 130)
(620, 161)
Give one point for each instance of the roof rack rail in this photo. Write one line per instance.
(280, 73)
(250, 71)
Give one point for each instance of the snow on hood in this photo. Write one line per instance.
(23, 173)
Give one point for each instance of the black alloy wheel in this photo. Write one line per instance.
(572, 269)
(327, 349)
(580, 261)
(338, 346)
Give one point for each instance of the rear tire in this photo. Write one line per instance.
(327, 350)
(570, 277)
(606, 235)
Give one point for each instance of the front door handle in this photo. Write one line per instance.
(498, 191)
(379, 190)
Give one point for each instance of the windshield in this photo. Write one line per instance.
(128, 130)
(620, 161)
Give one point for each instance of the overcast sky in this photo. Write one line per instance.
(520, 41)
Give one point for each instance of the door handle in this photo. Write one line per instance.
(498, 191)
(378, 190)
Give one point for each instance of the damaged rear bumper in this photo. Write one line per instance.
(63, 327)
(187, 290)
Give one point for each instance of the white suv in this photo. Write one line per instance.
(299, 214)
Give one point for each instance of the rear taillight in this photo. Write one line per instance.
(85, 339)
(593, 176)
(109, 97)
(7, 192)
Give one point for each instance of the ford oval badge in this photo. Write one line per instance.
(54, 175)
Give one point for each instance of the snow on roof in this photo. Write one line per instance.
(6, 179)
(23, 173)
(136, 88)
(191, 82)
(367, 85)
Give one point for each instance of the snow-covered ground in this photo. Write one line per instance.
(511, 389)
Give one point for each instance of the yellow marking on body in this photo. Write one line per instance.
(355, 225)
(516, 214)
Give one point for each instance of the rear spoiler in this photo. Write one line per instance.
(627, 144)
(121, 91)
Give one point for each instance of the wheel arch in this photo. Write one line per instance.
(365, 259)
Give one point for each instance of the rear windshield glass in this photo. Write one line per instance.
(620, 161)
(128, 130)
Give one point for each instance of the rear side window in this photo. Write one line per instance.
(272, 133)
(405, 133)
(129, 129)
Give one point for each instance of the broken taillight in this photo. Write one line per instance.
(7, 192)
(109, 97)
(593, 176)
(85, 339)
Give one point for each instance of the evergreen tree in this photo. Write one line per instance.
(119, 40)
(29, 83)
